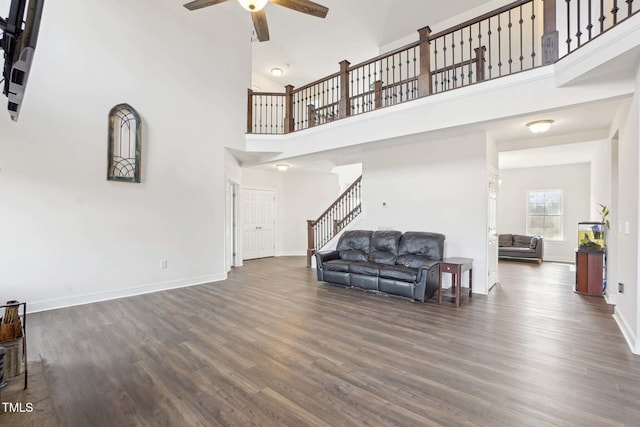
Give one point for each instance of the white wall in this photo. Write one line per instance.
(436, 185)
(573, 180)
(347, 174)
(600, 178)
(306, 196)
(627, 304)
(69, 236)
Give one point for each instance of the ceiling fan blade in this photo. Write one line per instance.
(199, 4)
(260, 24)
(304, 6)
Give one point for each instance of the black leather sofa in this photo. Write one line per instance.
(385, 261)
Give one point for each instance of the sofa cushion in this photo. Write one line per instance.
(382, 258)
(520, 241)
(399, 272)
(385, 241)
(355, 239)
(505, 240)
(517, 252)
(430, 245)
(534, 243)
(412, 261)
(368, 268)
(353, 255)
(337, 265)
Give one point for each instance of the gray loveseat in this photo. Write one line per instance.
(519, 247)
(385, 261)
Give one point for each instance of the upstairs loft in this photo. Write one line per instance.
(529, 47)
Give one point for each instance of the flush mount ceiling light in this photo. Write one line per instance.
(540, 126)
(276, 72)
(282, 167)
(253, 5)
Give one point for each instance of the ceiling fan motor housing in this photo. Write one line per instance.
(253, 5)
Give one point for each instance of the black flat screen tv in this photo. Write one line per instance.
(18, 43)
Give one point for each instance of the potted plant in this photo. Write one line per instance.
(604, 213)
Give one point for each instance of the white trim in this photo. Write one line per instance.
(611, 299)
(627, 332)
(56, 303)
(292, 253)
(567, 260)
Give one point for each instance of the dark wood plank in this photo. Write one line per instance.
(272, 346)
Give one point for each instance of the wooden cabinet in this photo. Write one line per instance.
(589, 272)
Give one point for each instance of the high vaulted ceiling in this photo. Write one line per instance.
(308, 48)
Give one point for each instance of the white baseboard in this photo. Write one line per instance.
(569, 260)
(611, 299)
(292, 253)
(627, 332)
(70, 301)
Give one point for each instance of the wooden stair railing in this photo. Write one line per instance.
(519, 36)
(344, 210)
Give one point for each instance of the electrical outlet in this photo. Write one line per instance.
(163, 263)
(621, 288)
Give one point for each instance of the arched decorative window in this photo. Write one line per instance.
(125, 139)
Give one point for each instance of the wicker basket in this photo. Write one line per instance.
(13, 363)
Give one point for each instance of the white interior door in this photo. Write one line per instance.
(231, 220)
(258, 212)
(492, 230)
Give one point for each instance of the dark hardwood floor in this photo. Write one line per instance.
(271, 346)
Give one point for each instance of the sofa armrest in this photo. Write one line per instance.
(428, 281)
(326, 256)
(540, 248)
(322, 257)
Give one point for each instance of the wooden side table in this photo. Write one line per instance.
(455, 267)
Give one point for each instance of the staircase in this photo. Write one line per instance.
(334, 219)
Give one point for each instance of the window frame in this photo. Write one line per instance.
(561, 215)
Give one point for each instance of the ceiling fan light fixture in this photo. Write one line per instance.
(253, 5)
(540, 126)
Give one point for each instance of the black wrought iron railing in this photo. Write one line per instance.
(520, 36)
(341, 212)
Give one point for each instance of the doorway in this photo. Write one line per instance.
(492, 229)
(231, 247)
(258, 220)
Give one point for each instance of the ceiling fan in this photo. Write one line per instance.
(256, 7)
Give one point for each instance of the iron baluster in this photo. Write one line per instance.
(489, 43)
(510, 26)
(533, 38)
(521, 21)
(499, 46)
(435, 57)
(568, 25)
(590, 19)
(453, 59)
(579, 33)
